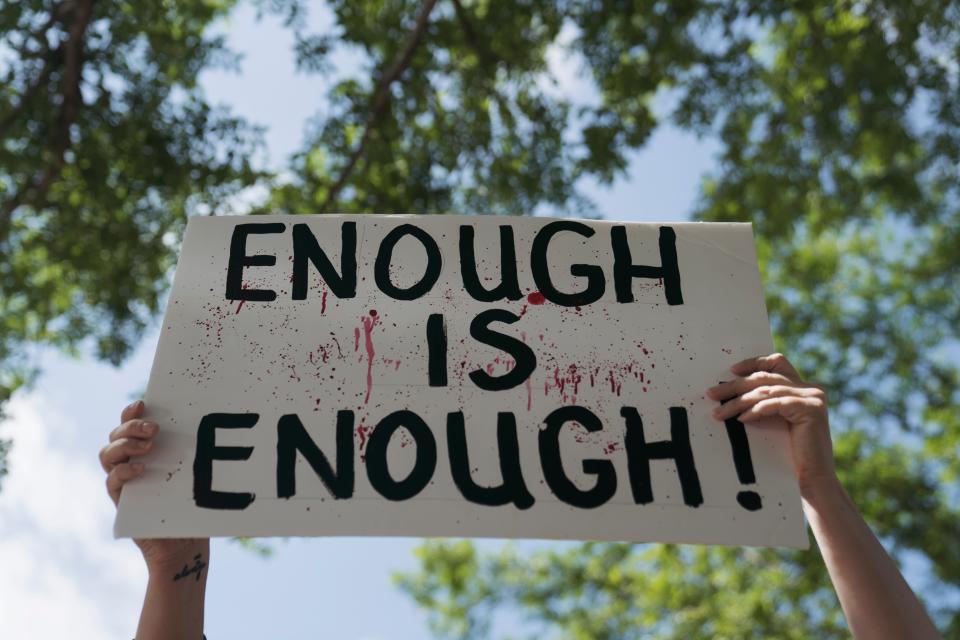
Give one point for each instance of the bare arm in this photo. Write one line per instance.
(876, 600)
(173, 604)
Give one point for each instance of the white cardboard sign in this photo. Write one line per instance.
(460, 376)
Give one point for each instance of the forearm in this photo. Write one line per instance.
(173, 604)
(876, 600)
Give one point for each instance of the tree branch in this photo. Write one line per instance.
(70, 105)
(380, 100)
(486, 56)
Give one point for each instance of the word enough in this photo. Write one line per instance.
(343, 283)
(339, 478)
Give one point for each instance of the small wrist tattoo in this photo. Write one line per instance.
(197, 568)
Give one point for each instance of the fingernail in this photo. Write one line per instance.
(143, 444)
(148, 427)
(137, 466)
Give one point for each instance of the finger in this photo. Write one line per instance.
(131, 411)
(135, 429)
(120, 451)
(120, 475)
(738, 405)
(773, 363)
(739, 386)
(776, 406)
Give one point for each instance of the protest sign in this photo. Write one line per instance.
(460, 376)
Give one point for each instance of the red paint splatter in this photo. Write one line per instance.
(356, 338)
(559, 382)
(567, 382)
(615, 386)
(240, 306)
(574, 378)
(536, 298)
(323, 302)
(368, 324)
(526, 383)
(363, 432)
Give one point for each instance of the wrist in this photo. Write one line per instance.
(162, 560)
(819, 491)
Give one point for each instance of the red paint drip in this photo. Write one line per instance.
(526, 383)
(356, 338)
(574, 379)
(536, 298)
(362, 431)
(323, 302)
(368, 325)
(615, 386)
(240, 306)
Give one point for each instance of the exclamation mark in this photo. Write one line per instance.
(749, 500)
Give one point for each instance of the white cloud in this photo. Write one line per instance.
(61, 572)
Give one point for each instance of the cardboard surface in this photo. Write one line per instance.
(365, 360)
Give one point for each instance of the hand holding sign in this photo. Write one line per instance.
(770, 386)
(120, 460)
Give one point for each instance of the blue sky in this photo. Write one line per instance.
(55, 517)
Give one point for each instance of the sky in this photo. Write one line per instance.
(56, 544)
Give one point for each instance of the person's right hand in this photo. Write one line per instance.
(133, 438)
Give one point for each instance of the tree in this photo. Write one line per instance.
(106, 145)
(838, 128)
(838, 125)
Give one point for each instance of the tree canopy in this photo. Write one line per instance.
(838, 125)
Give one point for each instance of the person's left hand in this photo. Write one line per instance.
(768, 386)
